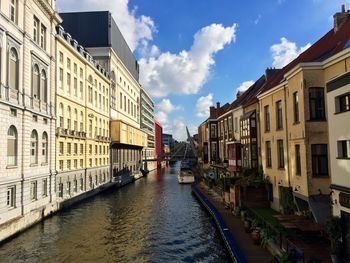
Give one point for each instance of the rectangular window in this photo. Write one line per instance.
(319, 158)
(342, 103)
(297, 160)
(124, 103)
(60, 190)
(61, 57)
(81, 148)
(75, 164)
(68, 82)
(68, 63)
(343, 149)
(69, 148)
(280, 153)
(316, 103)
(60, 79)
(75, 86)
(43, 37)
(236, 124)
(296, 107)
(60, 165)
(121, 100)
(33, 190)
(213, 130)
(81, 90)
(75, 68)
(61, 148)
(90, 148)
(11, 196)
(36, 26)
(44, 188)
(267, 118)
(268, 154)
(81, 163)
(75, 148)
(279, 117)
(13, 11)
(68, 164)
(81, 73)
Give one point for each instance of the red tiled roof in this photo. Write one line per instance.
(327, 46)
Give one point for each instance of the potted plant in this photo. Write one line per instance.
(334, 231)
(246, 225)
(264, 237)
(255, 232)
(237, 211)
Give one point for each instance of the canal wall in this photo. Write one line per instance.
(231, 244)
(18, 225)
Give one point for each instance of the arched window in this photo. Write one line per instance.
(12, 146)
(34, 147)
(36, 82)
(75, 120)
(43, 85)
(68, 118)
(13, 69)
(60, 112)
(81, 121)
(44, 149)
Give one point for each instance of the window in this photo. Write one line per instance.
(296, 107)
(60, 165)
(342, 103)
(34, 147)
(319, 159)
(81, 121)
(81, 163)
(61, 115)
(44, 150)
(33, 190)
(81, 90)
(81, 148)
(11, 196)
(280, 153)
(13, 69)
(43, 37)
(61, 79)
(279, 120)
(36, 26)
(60, 190)
(61, 57)
(213, 130)
(36, 82)
(44, 188)
(90, 94)
(121, 100)
(68, 188)
(69, 148)
(75, 120)
(13, 11)
(81, 72)
(236, 124)
(81, 184)
(68, 164)
(297, 160)
(75, 164)
(68, 118)
(68, 63)
(68, 82)
(267, 118)
(75, 86)
(43, 86)
(12, 146)
(343, 149)
(268, 154)
(75, 68)
(61, 148)
(75, 185)
(124, 103)
(316, 102)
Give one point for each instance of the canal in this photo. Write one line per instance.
(153, 220)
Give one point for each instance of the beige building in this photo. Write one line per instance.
(294, 137)
(83, 137)
(27, 112)
(112, 52)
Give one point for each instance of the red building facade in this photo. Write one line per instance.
(158, 142)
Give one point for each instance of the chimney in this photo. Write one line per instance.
(212, 111)
(218, 105)
(340, 18)
(239, 93)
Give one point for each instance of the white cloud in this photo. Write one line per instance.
(166, 106)
(177, 128)
(187, 71)
(257, 20)
(285, 51)
(137, 30)
(245, 85)
(203, 104)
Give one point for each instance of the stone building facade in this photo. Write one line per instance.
(82, 128)
(27, 113)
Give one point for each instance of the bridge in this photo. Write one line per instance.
(182, 150)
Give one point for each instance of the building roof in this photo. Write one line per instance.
(98, 29)
(330, 44)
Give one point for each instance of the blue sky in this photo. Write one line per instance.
(194, 53)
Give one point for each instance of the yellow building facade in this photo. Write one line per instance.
(83, 131)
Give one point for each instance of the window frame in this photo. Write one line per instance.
(320, 159)
(15, 145)
(319, 103)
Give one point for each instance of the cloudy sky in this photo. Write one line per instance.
(194, 53)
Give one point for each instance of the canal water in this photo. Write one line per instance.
(152, 220)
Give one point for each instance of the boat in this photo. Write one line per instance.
(186, 175)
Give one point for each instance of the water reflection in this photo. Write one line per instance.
(153, 220)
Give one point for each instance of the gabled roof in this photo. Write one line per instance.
(330, 44)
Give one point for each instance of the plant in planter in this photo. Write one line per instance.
(243, 214)
(237, 211)
(334, 231)
(247, 224)
(264, 237)
(255, 232)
